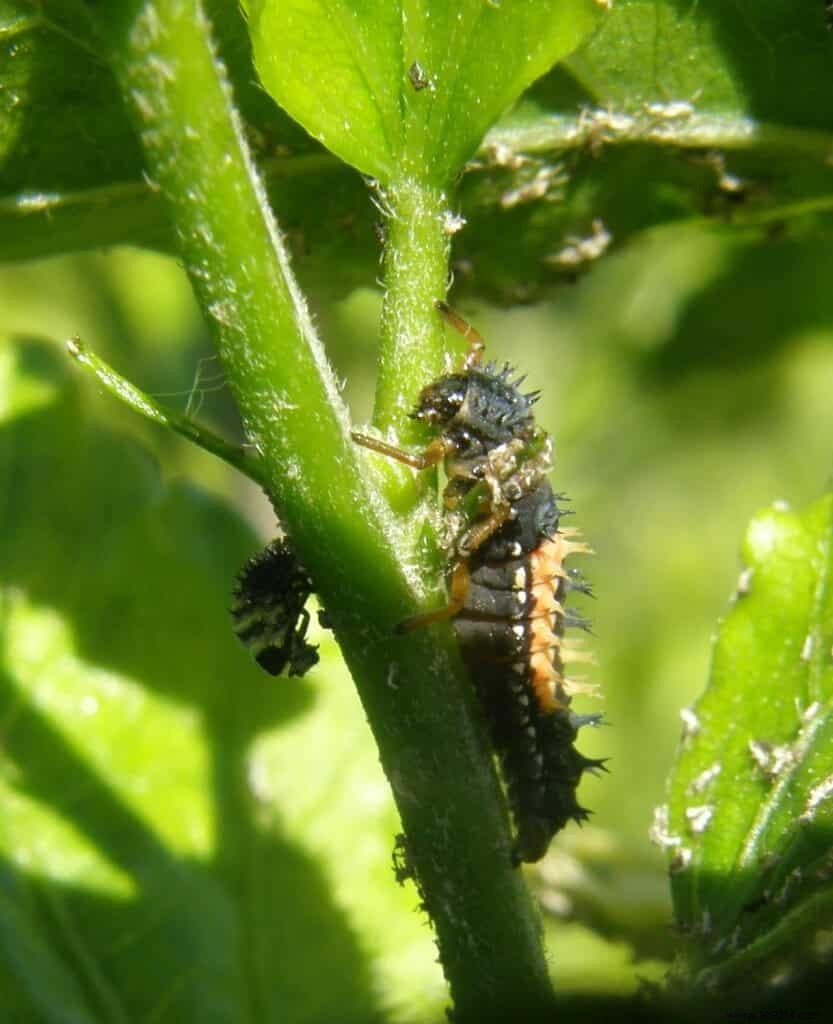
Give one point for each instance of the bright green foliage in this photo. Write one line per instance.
(171, 849)
(751, 813)
(174, 847)
(408, 88)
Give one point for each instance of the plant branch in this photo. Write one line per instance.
(414, 691)
(658, 124)
(122, 389)
(412, 345)
(416, 278)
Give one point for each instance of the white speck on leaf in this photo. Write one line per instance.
(691, 724)
(659, 833)
(744, 583)
(453, 222)
(701, 783)
(583, 250)
(771, 760)
(699, 818)
(817, 795)
(681, 861)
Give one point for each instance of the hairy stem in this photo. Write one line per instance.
(416, 277)
(412, 343)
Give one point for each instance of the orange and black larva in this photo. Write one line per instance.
(508, 584)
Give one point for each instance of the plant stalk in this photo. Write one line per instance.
(416, 277)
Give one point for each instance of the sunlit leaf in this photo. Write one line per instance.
(408, 88)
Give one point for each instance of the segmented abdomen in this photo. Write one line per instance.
(511, 634)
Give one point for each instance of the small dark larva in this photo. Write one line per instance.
(268, 612)
(508, 584)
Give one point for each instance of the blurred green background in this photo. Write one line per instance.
(687, 383)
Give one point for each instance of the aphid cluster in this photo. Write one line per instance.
(508, 584)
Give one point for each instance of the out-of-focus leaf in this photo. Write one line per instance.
(669, 111)
(70, 163)
(522, 239)
(62, 122)
(183, 838)
(750, 823)
(408, 88)
(769, 61)
(63, 126)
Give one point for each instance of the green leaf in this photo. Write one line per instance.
(173, 848)
(751, 808)
(62, 123)
(408, 88)
(770, 62)
(71, 167)
(667, 112)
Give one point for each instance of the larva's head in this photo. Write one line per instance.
(442, 400)
(484, 403)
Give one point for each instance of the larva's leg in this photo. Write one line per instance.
(460, 582)
(475, 537)
(476, 343)
(434, 453)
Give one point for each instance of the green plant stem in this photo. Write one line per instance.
(413, 341)
(122, 389)
(560, 133)
(416, 277)
(413, 689)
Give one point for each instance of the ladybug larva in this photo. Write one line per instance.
(508, 583)
(269, 614)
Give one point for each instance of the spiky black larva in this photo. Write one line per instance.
(508, 583)
(515, 657)
(269, 614)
